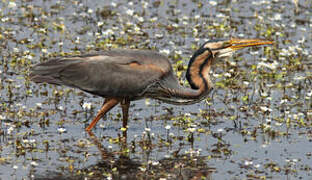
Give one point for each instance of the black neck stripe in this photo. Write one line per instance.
(192, 60)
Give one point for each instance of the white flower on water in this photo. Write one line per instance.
(227, 75)
(153, 19)
(191, 130)
(247, 163)
(102, 125)
(271, 66)
(100, 23)
(159, 35)
(130, 12)
(143, 169)
(4, 19)
(220, 15)
(265, 109)
(108, 32)
(299, 77)
(113, 4)
(175, 25)
(141, 19)
(39, 105)
(77, 40)
(246, 83)
(179, 52)
(164, 51)
(86, 106)
(277, 17)
(2, 117)
(144, 4)
(215, 75)
(302, 40)
(213, 3)
(9, 131)
(90, 11)
(147, 102)
(12, 5)
(16, 50)
(303, 29)
(44, 50)
(61, 108)
(254, 52)
(34, 163)
(166, 156)
(61, 130)
(154, 163)
(232, 63)
(29, 57)
(284, 101)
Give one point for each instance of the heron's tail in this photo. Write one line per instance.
(49, 71)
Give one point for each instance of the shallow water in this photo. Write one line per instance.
(256, 124)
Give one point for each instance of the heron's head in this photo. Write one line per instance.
(225, 48)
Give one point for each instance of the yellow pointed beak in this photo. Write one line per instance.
(228, 47)
(236, 44)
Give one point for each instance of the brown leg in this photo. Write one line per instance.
(125, 103)
(108, 105)
(105, 101)
(125, 109)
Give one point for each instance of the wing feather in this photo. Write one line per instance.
(108, 74)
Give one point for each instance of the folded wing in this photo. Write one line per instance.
(108, 74)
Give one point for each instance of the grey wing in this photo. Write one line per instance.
(106, 76)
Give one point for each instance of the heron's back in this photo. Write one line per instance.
(116, 73)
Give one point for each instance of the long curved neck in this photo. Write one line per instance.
(197, 73)
(198, 77)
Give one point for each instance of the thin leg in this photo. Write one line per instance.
(108, 105)
(105, 101)
(125, 104)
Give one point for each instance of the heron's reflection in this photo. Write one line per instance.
(121, 166)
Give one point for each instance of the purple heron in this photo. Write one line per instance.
(121, 76)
